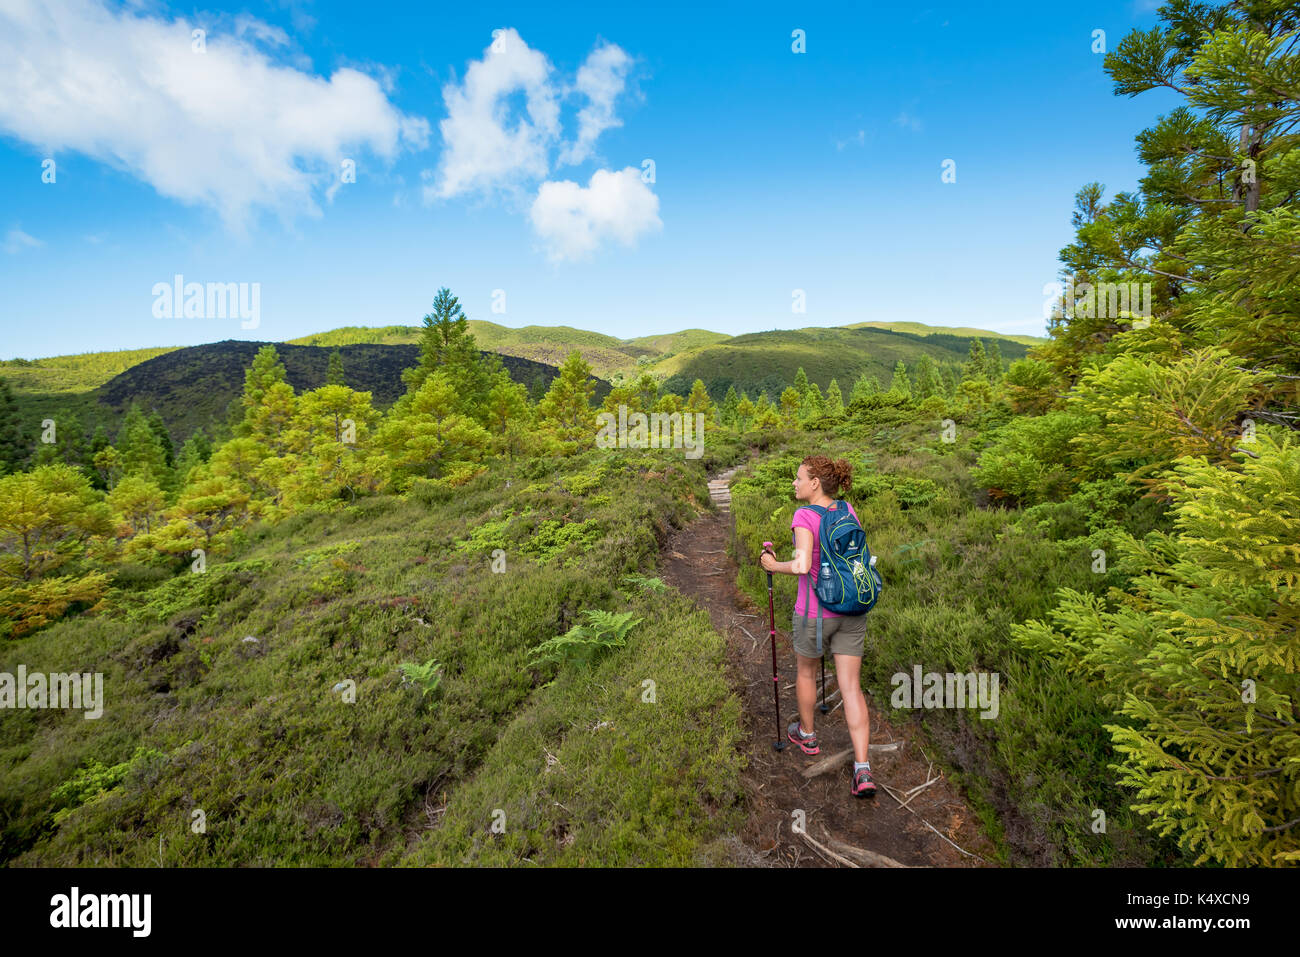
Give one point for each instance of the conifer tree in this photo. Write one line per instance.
(1201, 659)
(164, 438)
(448, 346)
(566, 409)
(46, 515)
(730, 404)
(334, 375)
(745, 412)
(141, 452)
(977, 365)
(14, 447)
(424, 435)
(834, 400)
(994, 371)
(698, 400)
(927, 378)
(138, 504)
(791, 402)
(801, 384)
(265, 371)
(901, 384)
(949, 381)
(814, 404)
(69, 445)
(867, 385)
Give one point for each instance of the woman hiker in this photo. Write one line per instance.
(817, 482)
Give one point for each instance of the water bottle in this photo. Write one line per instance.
(825, 584)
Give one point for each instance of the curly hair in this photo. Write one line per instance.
(835, 476)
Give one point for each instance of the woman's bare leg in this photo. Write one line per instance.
(848, 671)
(805, 687)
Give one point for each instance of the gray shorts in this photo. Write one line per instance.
(843, 635)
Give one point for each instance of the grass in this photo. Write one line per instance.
(230, 682)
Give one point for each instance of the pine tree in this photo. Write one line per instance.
(509, 417)
(901, 384)
(949, 381)
(791, 402)
(801, 384)
(927, 378)
(164, 438)
(993, 370)
(814, 405)
(566, 410)
(745, 412)
(867, 385)
(977, 365)
(1202, 659)
(334, 375)
(447, 345)
(212, 504)
(730, 404)
(46, 515)
(14, 447)
(265, 371)
(138, 504)
(98, 443)
(196, 451)
(646, 388)
(698, 400)
(834, 400)
(69, 445)
(141, 451)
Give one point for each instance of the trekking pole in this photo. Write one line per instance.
(779, 743)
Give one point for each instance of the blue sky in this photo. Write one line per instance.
(774, 171)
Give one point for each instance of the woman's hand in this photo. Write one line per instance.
(769, 562)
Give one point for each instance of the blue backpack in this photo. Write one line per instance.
(847, 582)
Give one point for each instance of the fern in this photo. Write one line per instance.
(427, 677)
(582, 644)
(646, 583)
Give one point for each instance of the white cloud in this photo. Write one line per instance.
(489, 147)
(481, 153)
(573, 220)
(16, 241)
(227, 128)
(601, 79)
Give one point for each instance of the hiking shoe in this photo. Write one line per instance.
(806, 741)
(863, 786)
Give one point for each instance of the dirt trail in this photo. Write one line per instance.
(695, 561)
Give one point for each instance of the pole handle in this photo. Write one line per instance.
(767, 547)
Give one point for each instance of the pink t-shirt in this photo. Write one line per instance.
(811, 519)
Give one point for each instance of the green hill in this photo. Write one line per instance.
(193, 387)
(768, 361)
(967, 332)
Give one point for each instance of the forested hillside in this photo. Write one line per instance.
(351, 634)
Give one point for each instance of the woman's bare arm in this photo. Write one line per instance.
(803, 543)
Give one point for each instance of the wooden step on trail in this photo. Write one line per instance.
(720, 494)
(720, 489)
